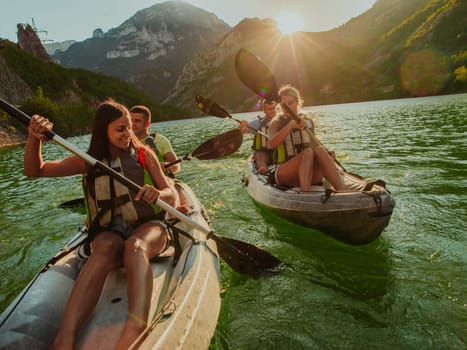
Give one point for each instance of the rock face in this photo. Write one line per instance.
(98, 33)
(52, 48)
(12, 87)
(211, 72)
(30, 42)
(149, 49)
(14, 90)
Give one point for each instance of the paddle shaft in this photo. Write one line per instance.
(249, 127)
(179, 160)
(25, 119)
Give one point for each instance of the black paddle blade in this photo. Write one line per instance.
(246, 258)
(209, 107)
(74, 203)
(255, 74)
(219, 146)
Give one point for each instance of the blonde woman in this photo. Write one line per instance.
(302, 160)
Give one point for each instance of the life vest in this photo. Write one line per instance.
(260, 142)
(104, 195)
(149, 140)
(295, 142)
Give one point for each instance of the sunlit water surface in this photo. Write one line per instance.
(406, 290)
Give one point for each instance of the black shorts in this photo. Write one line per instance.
(121, 228)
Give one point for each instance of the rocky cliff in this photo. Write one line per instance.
(53, 48)
(30, 42)
(14, 90)
(12, 87)
(149, 49)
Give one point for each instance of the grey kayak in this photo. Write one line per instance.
(185, 302)
(355, 216)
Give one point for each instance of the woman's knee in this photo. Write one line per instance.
(307, 153)
(107, 252)
(135, 248)
(107, 244)
(149, 239)
(134, 245)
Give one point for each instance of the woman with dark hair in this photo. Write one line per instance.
(302, 160)
(124, 227)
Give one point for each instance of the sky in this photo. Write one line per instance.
(76, 20)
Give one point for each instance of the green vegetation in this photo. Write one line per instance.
(69, 96)
(459, 62)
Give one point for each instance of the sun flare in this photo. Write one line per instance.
(289, 22)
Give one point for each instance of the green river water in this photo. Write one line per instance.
(406, 290)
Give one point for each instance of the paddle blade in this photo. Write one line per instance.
(246, 258)
(219, 146)
(209, 107)
(74, 203)
(255, 74)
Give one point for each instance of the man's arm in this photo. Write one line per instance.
(168, 154)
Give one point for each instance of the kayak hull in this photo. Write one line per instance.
(354, 216)
(184, 308)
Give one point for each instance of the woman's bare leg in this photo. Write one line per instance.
(147, 241)
(297, 171)
(261, 161)
(328, 168)
(305, 169)
(287, 174)
(105, 256)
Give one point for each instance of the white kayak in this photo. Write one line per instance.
(355, 216)
(185, 302)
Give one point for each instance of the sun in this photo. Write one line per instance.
(289, 22)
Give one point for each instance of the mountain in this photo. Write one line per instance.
(151, 48)
(67, 96)
(52, 48)
(396, 49)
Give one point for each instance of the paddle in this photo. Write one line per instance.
(212, 108)
(240, 256)
(255, 74)
(217, 147)
(74, 203)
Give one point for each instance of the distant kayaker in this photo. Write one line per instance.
(141, 120)
(302, 160)
(125, 228)
(262, 155)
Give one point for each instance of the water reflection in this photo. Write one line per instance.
(362, 272)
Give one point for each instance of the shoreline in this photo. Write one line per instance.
(9, 140)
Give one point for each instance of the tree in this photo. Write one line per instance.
(40, 104)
